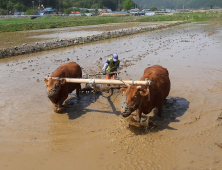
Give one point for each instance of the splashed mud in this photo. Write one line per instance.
(91, 135)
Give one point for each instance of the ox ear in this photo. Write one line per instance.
(144, 92)
(46, 81)
(63, 81)
(123, 90)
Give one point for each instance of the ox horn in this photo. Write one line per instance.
(138, 87)
(46, 77)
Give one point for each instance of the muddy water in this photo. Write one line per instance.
(93, 135)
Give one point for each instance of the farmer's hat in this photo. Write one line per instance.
(115, 57)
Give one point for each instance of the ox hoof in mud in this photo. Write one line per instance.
(147, 122)
(58, 109)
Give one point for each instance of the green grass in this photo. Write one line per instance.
(22, 24)
(200, 16)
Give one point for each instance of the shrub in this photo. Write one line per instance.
(31, 12)
(3, 11)
(153, 8)
(68, 10)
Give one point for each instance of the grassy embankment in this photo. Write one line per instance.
(21, 24)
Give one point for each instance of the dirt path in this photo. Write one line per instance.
(94, 135)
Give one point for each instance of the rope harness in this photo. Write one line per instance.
(54, 89)
(127, 107)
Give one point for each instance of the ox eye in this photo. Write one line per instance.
(135, 96)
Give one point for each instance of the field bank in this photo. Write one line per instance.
(36, 41)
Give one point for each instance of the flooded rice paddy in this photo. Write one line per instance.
(10, 39)
(94, 135)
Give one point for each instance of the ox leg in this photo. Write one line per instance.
(77, 90)
(138, 115)
(159, 110)
(61, 101)
(59, 105)
(57, 108)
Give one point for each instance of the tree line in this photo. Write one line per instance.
(61, 5)
(179, 4)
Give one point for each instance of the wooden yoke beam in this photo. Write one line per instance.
(103, 81)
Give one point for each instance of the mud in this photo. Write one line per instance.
(93, 135)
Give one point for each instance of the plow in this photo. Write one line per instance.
(112, 83)
(105, 83)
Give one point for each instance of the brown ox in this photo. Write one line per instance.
(143, 99)
(58, 89)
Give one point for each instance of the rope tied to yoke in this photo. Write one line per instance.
(127, 107)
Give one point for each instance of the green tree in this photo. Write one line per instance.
(111, 4)
(96, 12)
(10, 5)
(96, 6)
(86, 11)
(153, 8)
(19, 7)
(31, 12)
(68, 10)
(3, 11)
(65, 4)
(127, 5)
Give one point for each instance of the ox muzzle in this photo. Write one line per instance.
(52, 96)
(53, 93)
(127, 110)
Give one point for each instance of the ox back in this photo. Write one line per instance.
(160, 87)
(160, 79)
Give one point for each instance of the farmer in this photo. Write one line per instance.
(111, 64)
